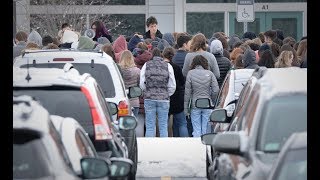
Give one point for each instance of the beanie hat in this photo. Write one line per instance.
(216, 47)
(169, 38)
(103, 40)
(69, 36)
(35, 37)
(232, 41)
(85, 43)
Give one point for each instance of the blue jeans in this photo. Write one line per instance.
(200, 119)
(180, 125)
(135, 111)
(152, 109)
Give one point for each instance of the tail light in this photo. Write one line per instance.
(123, 108)
(101, 130)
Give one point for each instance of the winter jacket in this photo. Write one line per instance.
(179, 57)
(85, 43)
(133, 42)
(131, 78)
(200, 83)
(147, 35)
(119, 45)
(169, 38)
(35, 37)
(249, 59)
(224, 63)
(177, 99)
(157, 79)
(211, 61)
(18, 48)
(109, 37)
(142, 57)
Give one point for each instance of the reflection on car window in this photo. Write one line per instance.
(223, 92)
(294, 165)
(282, 116)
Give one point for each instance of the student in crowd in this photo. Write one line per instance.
(153, 30)
(101, 31)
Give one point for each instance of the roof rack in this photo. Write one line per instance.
(61, 49)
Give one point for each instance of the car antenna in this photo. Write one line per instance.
(28, 77)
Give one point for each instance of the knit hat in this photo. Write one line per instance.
(163, 44)
(86, 43)
(169, 38)
(35, 37)
(69, 36)
(103, 40)
(216, 47)
(232, 41)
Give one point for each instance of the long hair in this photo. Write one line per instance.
(101, 29)
(267, 59)
(199, 60)
(284, 59)
(198, 42)
(126, 60)
(168, 53)
(108, 49)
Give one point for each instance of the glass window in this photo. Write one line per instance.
(205, 23)
(294, 165)
(122, 24)
(252, 26)
(100, 72)
(287, 25)
(29, 156)
(63, 102)
(223, 92)
(282, 116)
(87, 143)
(88, 2)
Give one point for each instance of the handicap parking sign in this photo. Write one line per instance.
(245, 10)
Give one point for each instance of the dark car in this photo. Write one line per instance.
(101, 67)
(68, 94)
(274, 108)
(38, 151)
(292, 161)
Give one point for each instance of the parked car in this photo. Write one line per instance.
(78, 146)
(38, 152)
(292, 161)
(102, 68)
(65, 93)
(275, 108)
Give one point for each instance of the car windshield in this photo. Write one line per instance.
(294, 165)
(282, 116)
(29, 156)
(98, 71)
(62, 101)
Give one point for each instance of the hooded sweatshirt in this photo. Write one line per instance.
(224, 63)
(133, 42)
(119, 45)
(249, 59)
(169, 38)
(232, 41)
(163, 44)
(141, 57)
(86, 43)
(35, 37)
(69, 37)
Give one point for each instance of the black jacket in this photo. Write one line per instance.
(177, 99)
(147, 35)
(224, 66)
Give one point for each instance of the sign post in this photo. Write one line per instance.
(245, 12)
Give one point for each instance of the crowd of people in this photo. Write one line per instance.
(175, 69)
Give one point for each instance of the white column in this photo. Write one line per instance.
(179, 13)
(163, 11)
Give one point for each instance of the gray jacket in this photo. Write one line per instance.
(200, 83)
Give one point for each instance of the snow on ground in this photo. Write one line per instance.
(175, 157)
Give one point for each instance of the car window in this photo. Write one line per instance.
(81, 145)
(87, 143)
(62, 101)
(104, 105)
(98, 71)
(29, 156)
(282, 116)
(223, 92)
(251, 108)
(294, 165)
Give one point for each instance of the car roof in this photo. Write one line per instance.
(298, 140)
(242, 73)
(284, 80)
(29, 114)
(47, 77)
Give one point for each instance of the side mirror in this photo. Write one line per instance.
(219, 116)
(134, 92)
(127, 122)
(113, 108)
(204, 103)
(207, 139)
(93, 168)
(120, 167)
(231, 143)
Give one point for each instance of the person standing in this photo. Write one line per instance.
(158, 83)
(177, 99)
(131, 77)
(184, 46)
(21, 42)
(101, 31)
(153, 31)
(200, 83)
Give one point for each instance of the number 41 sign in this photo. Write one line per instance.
(245, 10)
